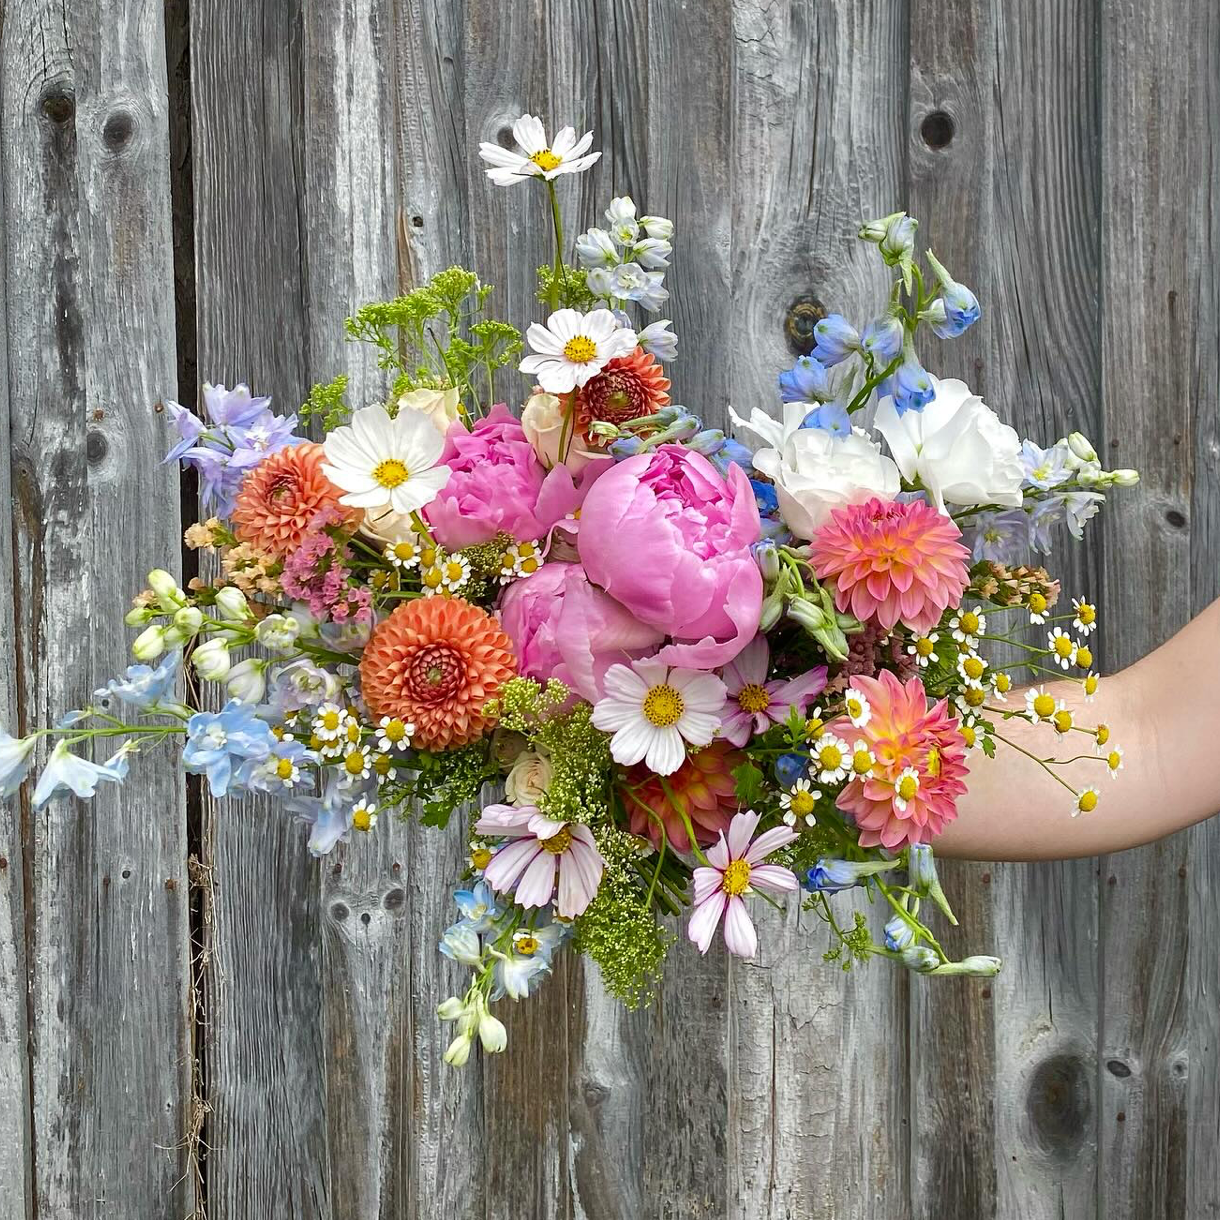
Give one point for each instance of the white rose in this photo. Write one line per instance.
(542, 422)
(440, 406)
(529, 778)
(956, 447)
(815, 473)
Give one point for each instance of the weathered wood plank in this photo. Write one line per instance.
(817, 1075)
(267, 1135)
(90, 349)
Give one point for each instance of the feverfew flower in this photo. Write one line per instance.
(539, 158)
(573, 347)
(394, 734)
(831, 758)
(1063, 648)
(384, 463)
(967, 626)
(653, 711)
(1114, 762)
(1085, 801)
(735, 867)
(798, 803)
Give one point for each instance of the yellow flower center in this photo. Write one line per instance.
(1037, 603)
(1063, 646)
(481, 857)
(862, 763)
(736, 878)
(526, 946)
(975, 696)
(559, 842)
(433, 578)
(580, 349)
(924, 646)
(969, 736)
(277, 731)
(428, 557)
(1114, 760)
(814, 727)
(390, 473)
(968, 622)
(908, 785)
(933, 762)
(454, 571)
(284, 768)
(316, 742)
(1003, 683)
(362, 818)
(383, 764)
(529, 566)
(1044, 706)
(973, 667)
(855, 709)
(353, 732)
(1103, 734)
(753, 698)
(405, 551)
(1087, 802)
(663, 706)
(330, 720)
(1091, 684)
(1063, 721)
(395, 730)
(353, 764)
(831, 758)
(802, 803)
(1084, 657)
(546, 160)
(526, 550)
(1086, 613)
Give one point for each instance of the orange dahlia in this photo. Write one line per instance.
(702, 787)
(435, 662)
(627, 388)
(280, 497)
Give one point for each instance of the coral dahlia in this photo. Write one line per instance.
(702, 787)
(919, 764)
(892, 561)
(627, 388)
(436, 662)
(281, 496)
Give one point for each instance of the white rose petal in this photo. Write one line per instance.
(440, 406)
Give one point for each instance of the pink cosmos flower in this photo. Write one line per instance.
(892, 561)
(497, 484)
(539, 848)
(753, 703)
(736, 867)
(563, 627)
(919, 766)
(670, 539)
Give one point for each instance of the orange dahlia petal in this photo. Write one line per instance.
(627, 388)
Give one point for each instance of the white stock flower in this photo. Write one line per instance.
(573, 347)
(956, 448)
(815, 473)
(538, 159)
(440, 406)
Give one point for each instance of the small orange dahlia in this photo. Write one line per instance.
(436, 662)
(280, 497)
(627, 388)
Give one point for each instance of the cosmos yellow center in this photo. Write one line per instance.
(353, 764)
(736, 878)
(923, 646)
(1087, 802)
(1084, 657)
(526, 946)
(480, 857)
(362, 819)
(1103, 734)
(831, 757)
(969, 622)
(973, 667)
(663, 706)
(546, 160)
(753, 698)
(802, 803)
(579, 349)
(559, 842)
(1037, 603)
(908, 785)
(1044, 706)
(390, 473)
(933, 762)
(1063, 721)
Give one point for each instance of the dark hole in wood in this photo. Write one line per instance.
(803, 315)
(118, 129)
(95, 447)
(417, 221)
(394, 898)
(1175, 518)
(1058, 1104)
(58, 105)
(339, 911)
(504, 137)
(937, 129)
(366, 919)
(126, 873)
(1116, 1067)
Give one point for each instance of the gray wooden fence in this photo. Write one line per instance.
(193, 1013)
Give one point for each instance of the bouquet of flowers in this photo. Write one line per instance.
(703, 672)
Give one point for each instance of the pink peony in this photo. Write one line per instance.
(919, 767)
(497, 484)
(563, 627)
(892, 561)
(754, 704)
(665, 535)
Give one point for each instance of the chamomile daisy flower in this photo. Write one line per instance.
(1001, 684)
(798, 803)
(384, 767)
(923, 649)
(405, 554)
(969, 731)
(1039, 705)
(364, 815)
(831, 757)
(432, 580)
(394, 734)
(815, 722)
(970, 699)
(329, 722)
(863, 760)
(1037, 609)
(356, 763)
(1086, 617)
(1091, 683)
(479, 857)
(1084, 801)
(572, 348)
(906, 786)
(1114, 762)
(1101, 736)
(1084, 656)
(1063, 648)
(455, 572)
(857, 708)
(971, 666)
(967, 626)
(1063, 722)
(520, 560)
(539, 157)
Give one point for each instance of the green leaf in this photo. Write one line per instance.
(749, 779)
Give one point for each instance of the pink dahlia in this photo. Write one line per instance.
(539, 848)
(753, 704)
(892, 561)
(918, 763)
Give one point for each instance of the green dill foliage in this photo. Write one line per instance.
(326, 402)
(854, 944)
(434, 336)
(573, 291)
(447, 779)
(619, 930)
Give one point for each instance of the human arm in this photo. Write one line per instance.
(1162, 711)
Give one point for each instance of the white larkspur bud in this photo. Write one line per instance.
(980, 966)
(1091, 474)
(1125, 478)
(137, 616)
(175, 637)
(212, 660)
(149, 644)
(166, 588)
(920, 958)
(1080, 445)
(189, 619)
(247, 681)
(231, 602)
(459, 1051)
(492, 1033)
(658, 227)
(450, 1009)
(277, 632)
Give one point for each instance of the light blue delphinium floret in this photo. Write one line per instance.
(67, 770)
(217, 742)
(142, 686)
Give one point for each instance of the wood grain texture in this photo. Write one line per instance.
(90, 348)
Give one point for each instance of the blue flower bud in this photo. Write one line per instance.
(831, 417)
(898, 934)
(921, 872)
(625, 447)
(671, 414)
(911, 386)
(836, 339)
(806, 381)
(767, 557)
(767, 497)
(882, 340)
(829, 876)
(961, 311)
(707, 442)
(733, 453)
(790, 767)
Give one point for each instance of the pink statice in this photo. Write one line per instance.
(736, 867)
(314, 572)
(753, 703)
(538, 849)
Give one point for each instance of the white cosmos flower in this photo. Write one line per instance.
(653, 711)
(539, 158)
(386, 462)
(573, 347)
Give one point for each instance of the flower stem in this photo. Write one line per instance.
(558, 223)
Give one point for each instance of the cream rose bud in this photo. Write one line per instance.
(529, 778)
(956, 448)
(814, 473)
(440, 406)
(542, 421)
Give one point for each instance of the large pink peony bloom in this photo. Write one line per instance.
(496, 483)
(920, 764)
(563, 627)
(892, 561)
(665, 535)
